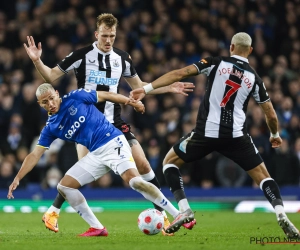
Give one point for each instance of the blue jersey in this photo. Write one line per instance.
(78, 120)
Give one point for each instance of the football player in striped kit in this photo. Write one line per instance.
(221, 125)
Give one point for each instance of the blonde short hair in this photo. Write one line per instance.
(242, 39)
(108, 19)
(43, 88)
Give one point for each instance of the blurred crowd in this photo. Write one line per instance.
(160, 35)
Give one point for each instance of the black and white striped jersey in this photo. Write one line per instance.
(230, 83)
(97, 70)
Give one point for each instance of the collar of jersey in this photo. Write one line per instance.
(99, 51)
(241, 58)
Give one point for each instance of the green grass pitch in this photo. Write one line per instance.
(214, 230)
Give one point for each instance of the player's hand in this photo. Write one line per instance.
(276, 142)
(33, 52)
(139, 107)
(11, 188)
(182, 88)
(137, 94)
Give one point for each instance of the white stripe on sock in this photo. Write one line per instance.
(165, 167)
(263, 181)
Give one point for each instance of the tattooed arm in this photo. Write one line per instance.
(271, 117)
(272, 122)
(132, 142)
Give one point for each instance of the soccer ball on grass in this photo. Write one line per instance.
(151, 221)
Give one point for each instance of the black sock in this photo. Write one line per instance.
(155, 182)
(59, 200)
(175, 182)
(272, 193)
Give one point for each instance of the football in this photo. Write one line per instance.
(151, 221)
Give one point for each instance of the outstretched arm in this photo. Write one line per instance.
(182, 88)
(272, 122)
(118, 98)
(165, 80)
(30, 161)
(176, 87)
(48, 74)
(175, 76)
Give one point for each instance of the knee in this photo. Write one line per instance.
(60, 189)
(138, 184)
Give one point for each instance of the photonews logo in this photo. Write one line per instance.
(273, 240)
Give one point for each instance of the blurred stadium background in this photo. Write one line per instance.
(160, 35)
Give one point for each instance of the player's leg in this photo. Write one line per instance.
(140, 159)
(50, 217)
(143, 165)
(171, 165)
(188, 149)
(131, 176)
(271, 191)
(148, 175)
(76, 177)
(244, 153)
(122, 163)
(144, 168)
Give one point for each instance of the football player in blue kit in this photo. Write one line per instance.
(75, 118)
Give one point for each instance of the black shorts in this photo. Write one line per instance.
(126, 130)
(241, 150)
